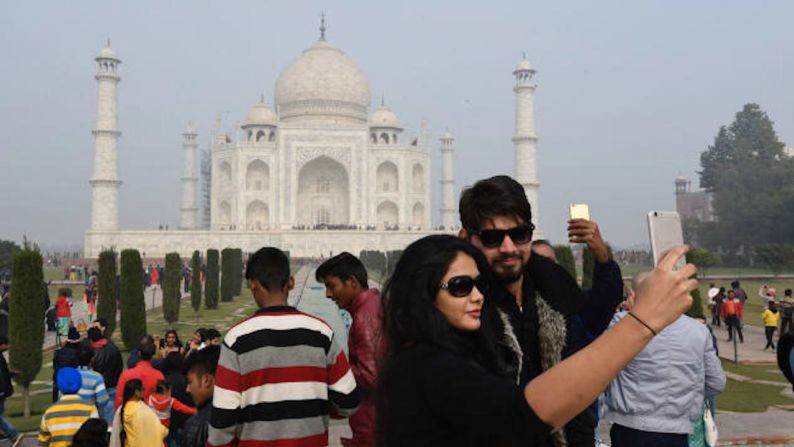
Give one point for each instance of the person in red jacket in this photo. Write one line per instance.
(162, 403)
(142, 371)
(732, 313)
(345, 280)
(63, 312)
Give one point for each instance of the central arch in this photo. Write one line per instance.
(257, 176)
(323, 193)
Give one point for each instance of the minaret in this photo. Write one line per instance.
(524, 139)
(105, 182)
(449, 210)
(189, 179)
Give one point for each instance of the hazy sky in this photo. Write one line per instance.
(629, 93)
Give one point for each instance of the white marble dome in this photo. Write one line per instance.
(107, 53)
(384, 117)
(524, 65)
(322, 83)
(260, 115)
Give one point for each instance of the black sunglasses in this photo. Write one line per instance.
(461, 286)
(493, 238)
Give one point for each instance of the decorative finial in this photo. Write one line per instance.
(322, 26)
(262, 98)
(108, 41)
(524, 55)
(382, 100)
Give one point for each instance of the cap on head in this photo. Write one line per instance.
(68, 380)
(74, 335)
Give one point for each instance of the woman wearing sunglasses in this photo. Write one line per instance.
(435, 389)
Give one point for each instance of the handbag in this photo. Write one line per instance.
(710, 427)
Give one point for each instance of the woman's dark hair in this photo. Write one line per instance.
(410, 315)
(496, 196)
(164, 342)
(130, 388)
(93, 433)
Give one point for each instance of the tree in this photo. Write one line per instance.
(25, 328)
(7, 251)
(133, 308)
(239, 269)
(195, 281)
(777, 257)
(106, 289)
(565, 258)
(588, 264)
(227, 274)
(751, 184)
(211, 280)
(703, 259)
(392, 258)
(172, 294)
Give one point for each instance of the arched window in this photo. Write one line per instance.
(386, 177)
(384, 138)
(272, 136)
(250, 136)
(260, 135)
(322, 215)
(374, 138)
(323, 185)
(418, 179)
(257, 176)
(394, 138)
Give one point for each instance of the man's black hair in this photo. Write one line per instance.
(787, 292)
(3, 340)
(94, 334)
(212, 333)
(269, 266)
(147, 350)
(488, 198)
(343, 266)
(84, 356)
(202, 333)
(735, 284)
(102, 322)
(203, 362)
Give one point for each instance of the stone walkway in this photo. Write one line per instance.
(751, 351)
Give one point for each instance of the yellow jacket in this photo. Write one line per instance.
(770, 318)
(142, 426)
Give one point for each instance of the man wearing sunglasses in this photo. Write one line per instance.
(531, 297)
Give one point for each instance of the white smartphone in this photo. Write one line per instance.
(664, 231)
(579, 211)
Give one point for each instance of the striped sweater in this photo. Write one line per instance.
(278, 370)
(62, 420)
(92, 389)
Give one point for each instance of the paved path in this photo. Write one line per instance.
(751, 351)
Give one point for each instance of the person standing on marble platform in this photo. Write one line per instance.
(345, 280)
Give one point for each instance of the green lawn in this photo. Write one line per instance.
(757, 372)
(746, 397)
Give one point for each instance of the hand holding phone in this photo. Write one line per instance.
(665, 233)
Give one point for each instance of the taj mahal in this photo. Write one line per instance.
(320, 172)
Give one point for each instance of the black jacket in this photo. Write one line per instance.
(108, 362)
(66, 357)
(551, 299)
(6, 386)
(195, 429)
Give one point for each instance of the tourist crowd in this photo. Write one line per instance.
(476, 339)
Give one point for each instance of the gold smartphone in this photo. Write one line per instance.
(580, 211)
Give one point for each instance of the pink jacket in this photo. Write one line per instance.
(365, 345)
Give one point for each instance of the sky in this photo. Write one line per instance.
(629, 93)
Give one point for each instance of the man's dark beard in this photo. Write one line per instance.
(511, 277)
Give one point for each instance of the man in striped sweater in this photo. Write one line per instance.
(63, 418)
(92, 389)
(281, 371)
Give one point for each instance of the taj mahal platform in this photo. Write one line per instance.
(299, 243)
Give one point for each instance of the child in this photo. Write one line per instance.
(162, 403)
(770, 317)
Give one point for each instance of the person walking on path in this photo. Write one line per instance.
(732, 314)
(142, 371)
(135, 424)
(63, 312)
(6, 390)
(767, 293)
(65, 357)
(345, 280)
(200, 369)
(716, 305)
(786, 312)
(738, 292)
(63, 418)
(278, 359)
(107, 361)
(92, 389)
(770, 318)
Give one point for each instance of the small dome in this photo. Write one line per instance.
(322, 82)
(107, 53)
(190, 130)
(260, 115)
(384, 117)
(681, 179)
(447, 135)
(524, 65)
